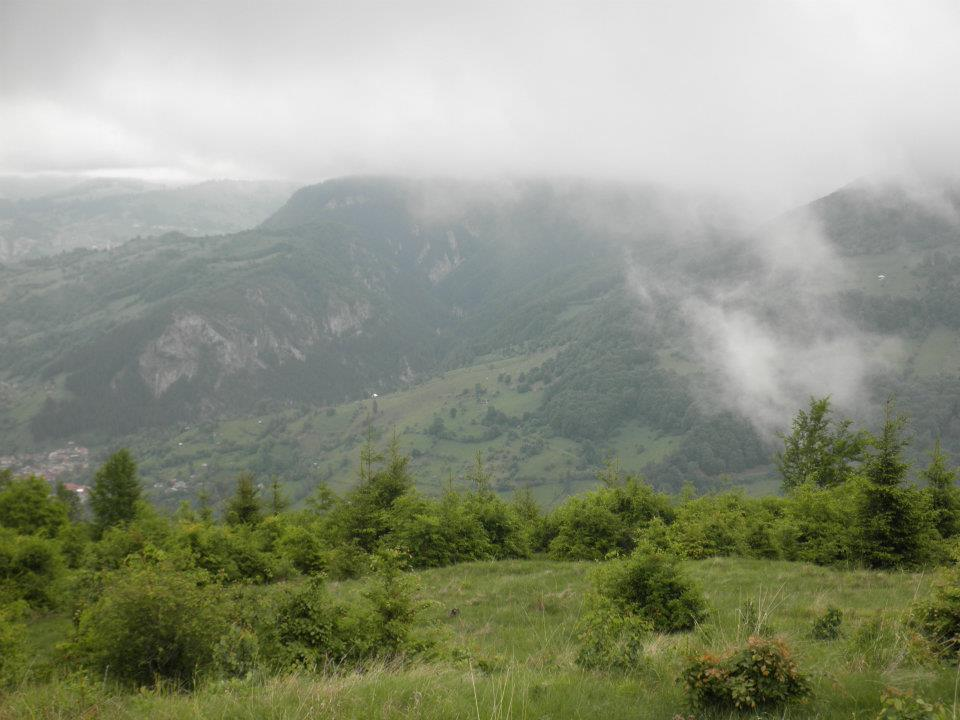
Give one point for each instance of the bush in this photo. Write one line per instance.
(592, 525)
(938, 618)
(906, 706)
(11, 645)
(611, 640)
(438, 533)
(230, 553)
(145, 535)
(237, 653)
(27, 507)
(760, 675)
(827, 626)
(316, 631)
(394, 607)
(151, 623)
(819, 526)
(30, 570)
(650, 585)
(304, 549)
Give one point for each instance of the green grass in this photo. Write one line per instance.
(508, 652)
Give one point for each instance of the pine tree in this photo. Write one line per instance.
(894, 528)
(278, 498)
(116, 491)
(204, 509)
(943, 494)
(479, 477)
(244, 507)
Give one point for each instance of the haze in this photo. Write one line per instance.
(772, 103)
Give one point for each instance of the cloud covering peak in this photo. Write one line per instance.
(772, 101)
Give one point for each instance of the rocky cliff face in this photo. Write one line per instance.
(228, 346)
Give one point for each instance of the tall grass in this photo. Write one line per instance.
(509, 653)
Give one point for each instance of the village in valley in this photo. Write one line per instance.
(60, 465)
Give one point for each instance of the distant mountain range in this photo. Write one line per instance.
(547, 324)
(43, 216)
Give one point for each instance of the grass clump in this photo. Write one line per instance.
(761, 674)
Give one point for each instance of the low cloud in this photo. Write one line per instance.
(771, 334)
(771, 102)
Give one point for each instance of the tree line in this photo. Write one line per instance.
(846, 502)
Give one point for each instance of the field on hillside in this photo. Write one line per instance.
(508, 634)
(517, 455)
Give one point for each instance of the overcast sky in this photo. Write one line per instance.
(776, 101)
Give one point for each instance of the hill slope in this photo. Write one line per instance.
(608, 299)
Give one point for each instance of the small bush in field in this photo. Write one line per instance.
(394, 606)
(760, 675)
(906, 706)
(611, 640)
(938, 618)
(151, 623)
(315, 630)
(11, 643)
(650, 584)
(827, 626)
(237, 653)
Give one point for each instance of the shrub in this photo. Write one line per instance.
(145, 535)
(237, 653)
(151, 623)
(303, 548)
(649, 584)
(315, 630)
(11, 645)
(27, 507)
(592, 525)
(827, 626)
(759, 675)
(938, 618)
(611, 640)
(30, 570)
(819, 526)
(906, 706)
(347, 561)
(438, 533)
(230, 553)
(394, 606)
(500, 523)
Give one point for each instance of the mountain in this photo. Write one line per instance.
(549, 325)
(43, 216)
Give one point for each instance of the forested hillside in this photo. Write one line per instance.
(548, 325)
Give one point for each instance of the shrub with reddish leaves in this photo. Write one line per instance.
(760, 675)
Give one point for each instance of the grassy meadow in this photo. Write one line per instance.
(507, 642)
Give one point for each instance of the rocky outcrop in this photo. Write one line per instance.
(179, 350)
(192, 341)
